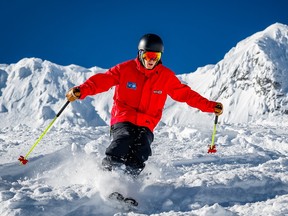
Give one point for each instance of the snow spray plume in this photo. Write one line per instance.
(212, 147)
(23, 160)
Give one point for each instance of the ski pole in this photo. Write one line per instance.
(212, 147)
(23, 160)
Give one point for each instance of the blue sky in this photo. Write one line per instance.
(103, 33)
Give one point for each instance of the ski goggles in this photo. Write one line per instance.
(148, 56)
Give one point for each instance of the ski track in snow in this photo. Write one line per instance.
(247, 176)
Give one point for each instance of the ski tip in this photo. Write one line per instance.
(131, 202)
(22, 160)
(126, 202)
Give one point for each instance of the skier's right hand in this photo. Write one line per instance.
(73, 94)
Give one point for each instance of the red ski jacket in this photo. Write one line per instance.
(140, 94)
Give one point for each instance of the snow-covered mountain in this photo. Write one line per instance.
(33, 90)
(251, 81)
(247, 176)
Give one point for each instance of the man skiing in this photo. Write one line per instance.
(141, 89)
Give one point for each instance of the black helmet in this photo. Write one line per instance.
(151, 42)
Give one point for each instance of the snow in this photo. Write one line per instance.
(247, 176)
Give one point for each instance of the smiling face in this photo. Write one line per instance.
(149, 64)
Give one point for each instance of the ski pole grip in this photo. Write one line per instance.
(62, 109)
(216, 119)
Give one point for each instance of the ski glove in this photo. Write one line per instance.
(73, 94)
(218, 110)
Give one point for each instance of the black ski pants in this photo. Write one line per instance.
(130, 146)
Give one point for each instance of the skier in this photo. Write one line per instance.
(141, 89)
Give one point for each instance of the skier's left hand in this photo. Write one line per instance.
(218, 110)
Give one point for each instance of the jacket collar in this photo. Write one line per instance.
(145, 71)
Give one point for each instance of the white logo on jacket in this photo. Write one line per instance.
(157, 91)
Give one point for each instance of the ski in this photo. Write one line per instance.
(128, 203)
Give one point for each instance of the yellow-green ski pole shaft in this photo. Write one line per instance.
(212, 147)
(41, 137)
(214, 131)
(43, 134)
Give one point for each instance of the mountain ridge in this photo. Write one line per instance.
(250, 81)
